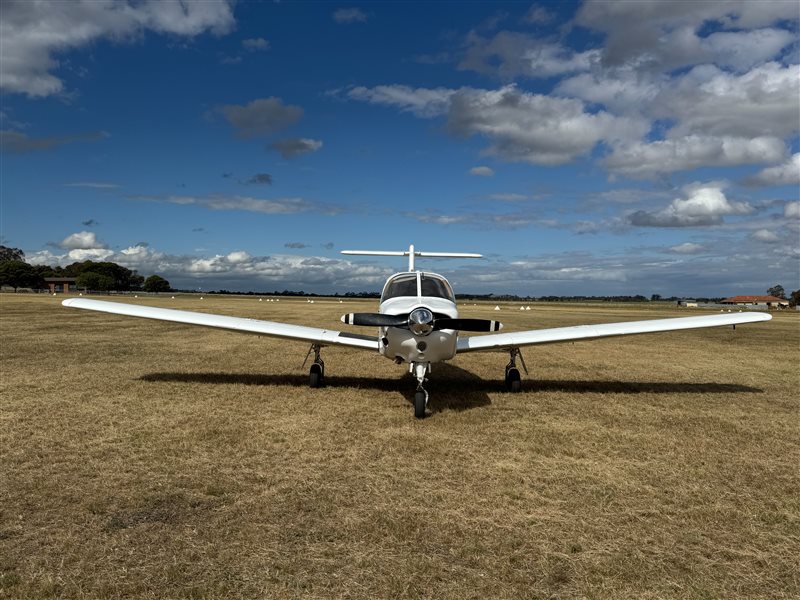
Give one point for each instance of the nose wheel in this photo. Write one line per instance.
(421, 395)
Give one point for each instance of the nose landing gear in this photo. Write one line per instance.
(421, 395)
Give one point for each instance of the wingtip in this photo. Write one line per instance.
(67, 302)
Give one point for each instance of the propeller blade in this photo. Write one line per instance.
(468, 324)
(375, 319)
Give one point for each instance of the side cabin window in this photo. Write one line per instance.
(402, 285)
(437, 287)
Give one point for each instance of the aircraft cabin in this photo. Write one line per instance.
(417, 284)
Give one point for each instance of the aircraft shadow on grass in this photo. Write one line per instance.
(456, 388)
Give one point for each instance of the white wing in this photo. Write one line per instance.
(324, 337)
(501, 341)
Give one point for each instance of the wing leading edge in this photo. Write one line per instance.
(517, 339)
(323, 337)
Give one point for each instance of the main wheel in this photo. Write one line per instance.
(419, 404)
(315, 378)
(513, 381)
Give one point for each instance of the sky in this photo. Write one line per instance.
(594, 148)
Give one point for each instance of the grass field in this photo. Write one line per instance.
(143, 459)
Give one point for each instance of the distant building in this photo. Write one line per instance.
(688, 303)
(66, 284)
(770, 302)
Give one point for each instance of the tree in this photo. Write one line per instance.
(123, 279)
(794, 298)
(17, 274)
(7, 254)
(90, 280)
(156, 283)
(777, 291)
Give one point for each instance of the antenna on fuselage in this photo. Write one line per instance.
(411, 253)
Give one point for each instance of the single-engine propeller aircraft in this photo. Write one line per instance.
(418, 324)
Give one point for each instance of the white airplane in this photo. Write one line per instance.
(418, 324)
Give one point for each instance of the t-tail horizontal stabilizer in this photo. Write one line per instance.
(411, 253)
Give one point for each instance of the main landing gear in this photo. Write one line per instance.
(316, 377)
(419, 371)
(513, 380)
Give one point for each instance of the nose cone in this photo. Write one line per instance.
(420, 321)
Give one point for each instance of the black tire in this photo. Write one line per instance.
(419, 404)
(513, 381)
(315, 378)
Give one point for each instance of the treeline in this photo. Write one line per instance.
(100, 276)
(515, 298)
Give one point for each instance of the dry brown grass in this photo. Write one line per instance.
(152, 460)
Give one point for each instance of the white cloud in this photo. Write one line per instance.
(509, 54)
(97, 185)
(508, 197)
(484, 220)
(709, 101)
(276, 206)
(423, 102)
(791, 210)
(714, 118)
(31, 33)
(521, 126)
(742, 50)
(663, 34)
(687, 248)
(786, 174)
(235, 270)
(539, 15)
(83, 240)
(647, 159)
(482, 171)
(624, 90)
(766, 236)
(239, 256)
(349, 15)
(15, 142)
(533, 128)
(261, 117)
(255, 44)
(704, 205)
(549, 270)
(294, 147)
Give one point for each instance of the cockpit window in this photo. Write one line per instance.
(404, 285)
(436, 287)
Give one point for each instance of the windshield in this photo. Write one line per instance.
(436, 287)
(406, 285)
(402, 285)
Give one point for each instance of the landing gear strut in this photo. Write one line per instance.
(316, 376)
(513, 380)
(421, 395)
